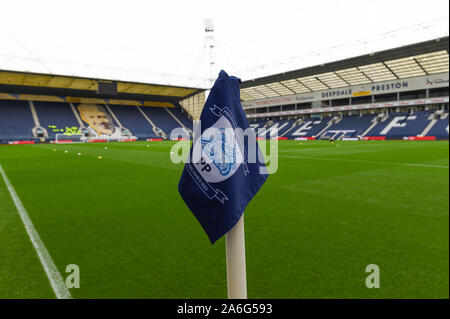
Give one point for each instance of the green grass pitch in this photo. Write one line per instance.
(329, 211)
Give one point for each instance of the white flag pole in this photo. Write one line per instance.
(236, 270)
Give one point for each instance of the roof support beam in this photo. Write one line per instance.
(365, 75)
(420, 65)
(322, 82)
(342, 78)
(390, 70)
(287, 87)
(310, 90)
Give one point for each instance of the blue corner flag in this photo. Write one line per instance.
(225, 168)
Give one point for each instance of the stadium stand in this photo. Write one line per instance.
(161, 118)
(132, 119)
(301, 103)
(412, 125)
(257, 124)
(401, 124)
(273, 128)
(181, 117)
(381, 127)
(16, 120)
(309, 128)
(357, 124)
(55, 117)
(17, 123)
(396, 125)
(440, 128)
(98, 118)
(284, 126)
(404, 88)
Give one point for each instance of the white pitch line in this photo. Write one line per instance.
(362, 161)
(426, 165)
(52, 272)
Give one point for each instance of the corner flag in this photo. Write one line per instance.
(225, 168)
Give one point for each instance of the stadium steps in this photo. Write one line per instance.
(180, 115)
(77, 116)
(268, 124)
(154, 127)
(440, 130)
(37, 123)
(113, 115)
(340, 135)
(121, 127)
(91, 131)
(295, 124)
(264, 127)
(383, 117)
(163, 121)
(374, 123)
(277, 127)
(435, 117)
(178, 121)
(433, 121)
(333, 120)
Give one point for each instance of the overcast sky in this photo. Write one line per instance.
(167, 36)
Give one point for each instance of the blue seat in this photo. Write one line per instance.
(55, 117)
(440, 129)
(161, 118)
(16, 120)
(133, 120)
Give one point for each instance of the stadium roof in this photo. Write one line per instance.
(51, 84)
(429, 57)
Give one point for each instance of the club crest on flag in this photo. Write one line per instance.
(220, 148)
(222, 173)
(221, 154)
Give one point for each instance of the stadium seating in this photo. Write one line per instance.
(414, 124)
(132, 119)
(310, 127)
(287, 128)
(440, 129)
(161, 118)
(355, 123)
(327, 134)
(401, 124)
(257, 124)
(181, 117)
(276, 128)
(16, 120)
(284, 126)
(55, 117)
(396, 126)
(98, 118)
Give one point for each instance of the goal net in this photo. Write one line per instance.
(73, 138)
